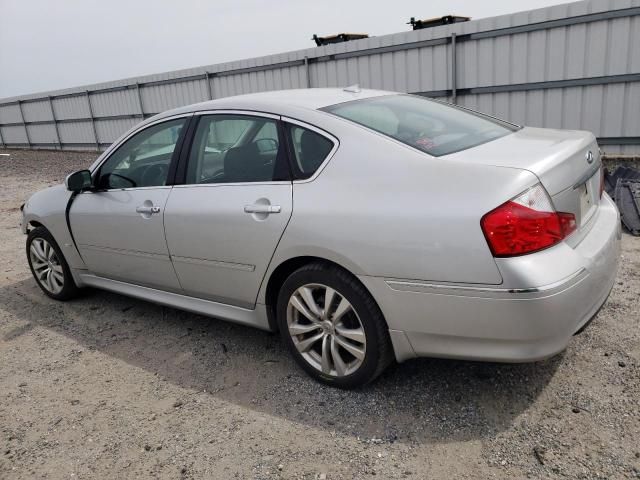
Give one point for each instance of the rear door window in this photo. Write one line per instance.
(430, 126)
(236, 149)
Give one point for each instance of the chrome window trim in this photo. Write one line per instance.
(128, 189)
(230, 184)
(115, 146)
(319, 131)
(228, 111)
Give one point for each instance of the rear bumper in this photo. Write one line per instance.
(545, 298)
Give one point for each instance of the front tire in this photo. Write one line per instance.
(332, 326)
(48, 265)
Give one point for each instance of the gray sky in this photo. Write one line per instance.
(46, 44)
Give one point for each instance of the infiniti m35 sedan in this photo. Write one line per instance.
(364, 226)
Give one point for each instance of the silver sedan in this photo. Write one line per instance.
(364, 226)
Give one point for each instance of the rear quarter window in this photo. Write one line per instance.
(309, 149)
(427, 125)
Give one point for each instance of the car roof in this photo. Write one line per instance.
(281, 102)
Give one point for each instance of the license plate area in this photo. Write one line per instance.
(587, 202)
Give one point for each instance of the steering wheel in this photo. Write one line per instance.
(154, 175)
(117, 175)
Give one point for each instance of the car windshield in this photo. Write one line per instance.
(428, 125)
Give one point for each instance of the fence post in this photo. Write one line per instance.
(140, 100)
(1, 140)
(306, 71)
(454, 70)
(55, 122)
(26, 130)
(93, 121)
(207, 77)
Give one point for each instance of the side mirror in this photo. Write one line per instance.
(78, 181)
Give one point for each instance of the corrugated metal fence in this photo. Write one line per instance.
(573, 66)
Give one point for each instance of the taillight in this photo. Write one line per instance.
(526, 224)
(601, 180)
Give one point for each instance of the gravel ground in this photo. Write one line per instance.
(110, 387)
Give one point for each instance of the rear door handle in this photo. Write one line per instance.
(258, 208)
(148, 210)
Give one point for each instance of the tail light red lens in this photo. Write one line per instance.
(526, 224)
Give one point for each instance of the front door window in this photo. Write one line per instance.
(144, 159)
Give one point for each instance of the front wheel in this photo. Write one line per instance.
(332, 326)
(48, 265)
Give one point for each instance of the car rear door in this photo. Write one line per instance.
(224, 222)
(118, 227)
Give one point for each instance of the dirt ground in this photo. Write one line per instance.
(110, 387)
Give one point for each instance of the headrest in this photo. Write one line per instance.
(314, 149)
(243, 164)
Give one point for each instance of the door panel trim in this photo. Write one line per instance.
(214, 263)
(134, 253)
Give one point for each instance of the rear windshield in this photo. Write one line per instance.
(428, 125)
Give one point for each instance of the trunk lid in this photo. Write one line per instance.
(559, 158)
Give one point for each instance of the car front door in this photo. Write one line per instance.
(118, 227)
(224, 223)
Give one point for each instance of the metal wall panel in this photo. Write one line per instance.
(37, 111)
(80, 148)
(71, 107)
(631, 111)
(10, 113)
(110, 130)
(588, 50)
(158, 98)
(44, 133)
(283, 78)
(504, 66)
(606, 110)
(118, 102)
(76, 132)
(630, 150)
(14, 134)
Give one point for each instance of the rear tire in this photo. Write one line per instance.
(345, 343)
(48, 265)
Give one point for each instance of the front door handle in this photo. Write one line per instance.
(259, 208)
(147, 210)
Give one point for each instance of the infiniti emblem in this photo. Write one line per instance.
(589, 157)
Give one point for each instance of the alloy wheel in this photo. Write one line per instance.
(46, 265)
(326, 330)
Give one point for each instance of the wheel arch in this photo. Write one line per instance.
(285, 268)
(57, 227)
(33, 224)
(31, 221)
